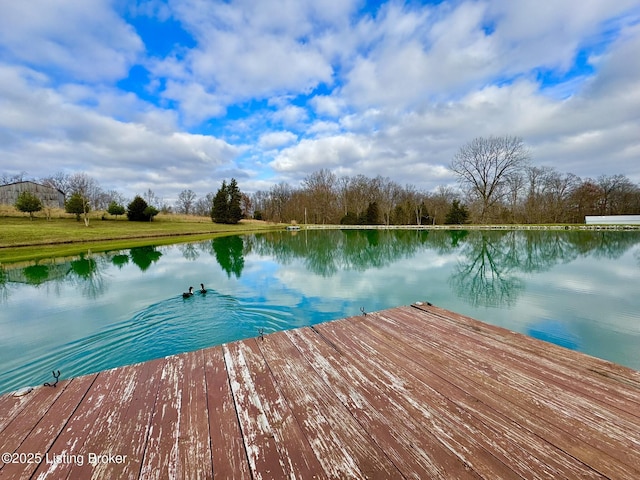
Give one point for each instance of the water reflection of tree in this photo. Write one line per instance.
(328, 252)
(486, 275)
(189, 251)
(488, 272)
(229, 253)
(36, 274)
(143, 257)
(4, 291)
(89, 275)
(120, 260)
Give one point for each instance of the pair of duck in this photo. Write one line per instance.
(190, 292)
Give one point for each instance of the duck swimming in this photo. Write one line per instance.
(188, 294)
(202, 289)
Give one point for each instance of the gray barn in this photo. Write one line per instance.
(50, 196)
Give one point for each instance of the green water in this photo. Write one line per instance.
(577, 289)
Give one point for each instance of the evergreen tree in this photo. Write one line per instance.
(28, 202)
(220, 209)
(372, 215)
(457, 214)
(77, 205)
(227, 204)
(136, 210)
(235, 199)
(115, 209)
(150, 212)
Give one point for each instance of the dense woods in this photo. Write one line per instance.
(496, 184)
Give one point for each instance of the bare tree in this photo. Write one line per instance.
(151, 198)
(202, 206)
(616, 194)
(439, 203)
(18, 177)
(59, 180)
(87, 189)
(320, 186)
(484, 165)
(186, 201)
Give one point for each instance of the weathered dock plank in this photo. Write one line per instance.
(371, 397)
(343, 447)
(228, 456)
(581, 435)
(47, 428)
(294, 452)
(128, 428)
(524, 451)
(410, 392)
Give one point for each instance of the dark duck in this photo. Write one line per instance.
(188, 294)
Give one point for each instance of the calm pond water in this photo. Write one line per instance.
(580, 290)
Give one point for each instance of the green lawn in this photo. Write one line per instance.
(22, 239)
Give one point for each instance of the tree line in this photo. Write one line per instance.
(83, 194)
(496, 184)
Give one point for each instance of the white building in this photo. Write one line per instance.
(612, 220)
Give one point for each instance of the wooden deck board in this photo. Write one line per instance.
(391, 422)
(533, 408)
(48, 427)
(587, 408)
(229, 459)
(409, 392)
(552, 361)
(521, 449)
(128, 433)
(343, 447)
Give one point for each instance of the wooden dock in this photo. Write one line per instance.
(411, 392)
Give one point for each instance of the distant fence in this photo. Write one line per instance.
(626, 226)
(612, 220)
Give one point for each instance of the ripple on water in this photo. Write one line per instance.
(171, 326)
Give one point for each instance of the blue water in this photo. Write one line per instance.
(97, 312)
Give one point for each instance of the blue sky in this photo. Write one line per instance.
(169, 95)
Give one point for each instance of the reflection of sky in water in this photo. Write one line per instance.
(124, 313)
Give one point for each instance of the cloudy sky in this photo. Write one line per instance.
(176, 94)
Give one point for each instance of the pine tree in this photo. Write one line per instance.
(227, 204)
(28, 202)
(115, 209)
(136, 210)
(457, 214)
(220, 209)
(235, 199)
(76, 204)
(371, 216)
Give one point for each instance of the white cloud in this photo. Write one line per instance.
(87, 40)
(272, 140)
(290, 116)
(329, 152)
(49, 133)
(393, 91)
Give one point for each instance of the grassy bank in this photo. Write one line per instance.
(22, 239)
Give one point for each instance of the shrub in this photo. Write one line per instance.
(27, 202)
(136, 210)
(150, 212)
(77, 205)
(115, 209)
